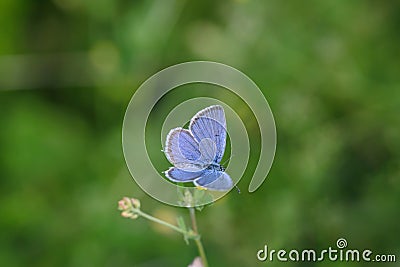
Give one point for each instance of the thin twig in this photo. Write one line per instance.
(198, 240)
(193, 219)
(193, 235)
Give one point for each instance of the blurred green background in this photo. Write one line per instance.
(329, 69)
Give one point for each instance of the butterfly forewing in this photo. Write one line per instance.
(182, 150)
(209, 124)
(215, 112)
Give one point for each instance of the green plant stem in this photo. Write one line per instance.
(156, 220)
(198, 240)
(193, 234)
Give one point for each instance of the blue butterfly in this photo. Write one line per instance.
(196, 153)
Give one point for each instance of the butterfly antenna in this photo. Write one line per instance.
(227, 159)
(237, 188)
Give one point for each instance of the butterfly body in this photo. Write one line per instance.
(196, 152)
(215, 167)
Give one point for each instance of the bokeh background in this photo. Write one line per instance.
(329, 69)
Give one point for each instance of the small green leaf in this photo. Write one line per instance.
(186, 197)
(199, 208)
(202, 196)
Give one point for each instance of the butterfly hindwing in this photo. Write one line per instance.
(179, 175)
(214, 180)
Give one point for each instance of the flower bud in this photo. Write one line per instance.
(135, 203)
(129, 207)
